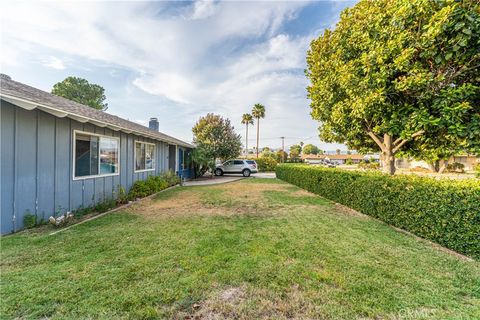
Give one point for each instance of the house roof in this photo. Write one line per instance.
(30, 98)
(333, 156)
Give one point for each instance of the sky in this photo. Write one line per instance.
(176, 61)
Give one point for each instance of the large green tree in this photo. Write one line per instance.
(296, 148)
(258, 112)
(399, 74)
(216, 137)
(310, 149)
(81, 91)
(247, 120)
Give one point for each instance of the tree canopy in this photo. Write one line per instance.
(81, 91)
(217, 137)
(310, 149)
(296, 148)
(399, 74)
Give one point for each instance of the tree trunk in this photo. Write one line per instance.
(258, 130)
(390, 148)
(443, 166)
(434, 165)
(388, 155)
(246, 143)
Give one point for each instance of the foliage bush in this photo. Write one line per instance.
(153, 184)
(477, 169)
(349, 161)
(365, 164)
(29, 220)
(266, 164)
(444, 211)
(456, 167)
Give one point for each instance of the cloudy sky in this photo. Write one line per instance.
(176, 60)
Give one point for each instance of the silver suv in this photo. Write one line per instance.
(245, 167)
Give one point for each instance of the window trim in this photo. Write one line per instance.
(74, 146)
(135, 156)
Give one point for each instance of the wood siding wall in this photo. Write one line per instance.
(37, 165)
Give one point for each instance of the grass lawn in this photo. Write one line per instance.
(256, 248)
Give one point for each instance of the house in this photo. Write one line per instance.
(335, 158)
(58, 155)
(470, 161)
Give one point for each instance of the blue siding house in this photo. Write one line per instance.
(58, 155)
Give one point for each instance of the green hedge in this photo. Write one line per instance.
(444, 211)
(266, 164)
(153, 184)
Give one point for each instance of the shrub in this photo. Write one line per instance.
(153, 184)
(266, 164)
(456, 167)
(444, 211)
(369, 165)
(477, 169)
(29, 220)
(349, 161)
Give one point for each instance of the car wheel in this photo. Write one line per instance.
(246, 173)
(218, 172)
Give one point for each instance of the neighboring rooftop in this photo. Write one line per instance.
(333, 156)
(31, 98)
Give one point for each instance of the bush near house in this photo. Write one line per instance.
(444, 211)
(153, 184)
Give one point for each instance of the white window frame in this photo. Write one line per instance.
(135, 156)
(74, 147)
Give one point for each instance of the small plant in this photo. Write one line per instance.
(477, 169)
(368, 165)
(456, 167)
(29, 220)
(349, 161)
(122, 195)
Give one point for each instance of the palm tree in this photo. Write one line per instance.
(247, 119)
(258, 112)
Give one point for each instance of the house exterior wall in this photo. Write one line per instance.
(185, 166)
(37, 166)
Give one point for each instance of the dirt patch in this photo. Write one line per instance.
(252, 303)
(349, 211)
(236, 198)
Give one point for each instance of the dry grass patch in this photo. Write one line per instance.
(247, 302)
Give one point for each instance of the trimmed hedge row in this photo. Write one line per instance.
(444, 211)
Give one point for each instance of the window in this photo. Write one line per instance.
(238, 162)
(144, 156)
(95, 155)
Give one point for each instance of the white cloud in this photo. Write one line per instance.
(203, 9)
(215, 56)
(54, 63)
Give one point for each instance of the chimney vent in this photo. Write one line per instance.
(153, 124)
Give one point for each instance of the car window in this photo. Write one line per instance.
(228, 163)
(250, 162)
(238, 162)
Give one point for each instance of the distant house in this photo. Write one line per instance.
(58, 155)
(335, 158)
(469, 162)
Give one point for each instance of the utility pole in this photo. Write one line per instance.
(283, 147)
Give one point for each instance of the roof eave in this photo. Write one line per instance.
(31, 105)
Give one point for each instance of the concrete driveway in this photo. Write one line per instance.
(208, 180)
